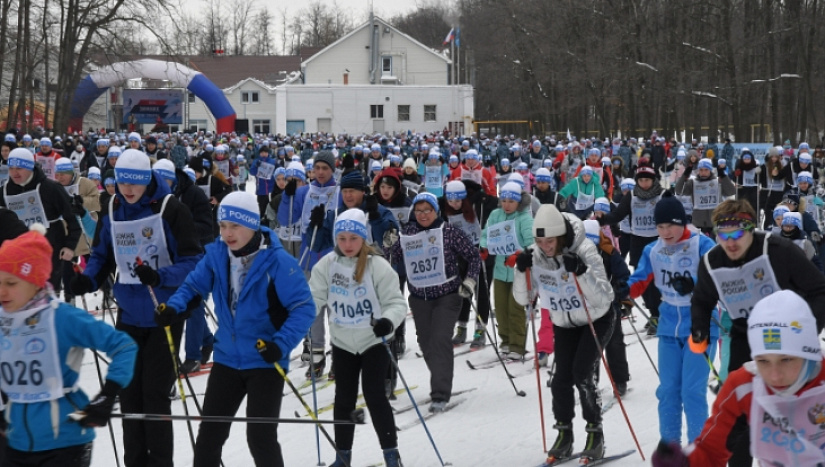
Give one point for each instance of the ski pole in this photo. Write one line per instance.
(312, 379)
(712, 368)
(536, 353)
(491, 313)
(260, 344)
(412, 399)
(306, 252)
(498, 356)
(641, 341)
(173, 354)
(99, 375)
(606, 367)
(357, 418)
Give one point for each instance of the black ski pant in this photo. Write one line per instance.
(434, 321)
(370, 367)
(72, 456)
(576, 358)
(483, 296)
(616, 353)
(225, 391)
(149, 444)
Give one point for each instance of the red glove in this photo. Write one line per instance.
(737, 173)
(510, 262)
(484, 254)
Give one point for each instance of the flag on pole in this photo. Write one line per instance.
(450, 37)
(458, 37)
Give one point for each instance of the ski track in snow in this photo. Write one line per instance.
(491, 427)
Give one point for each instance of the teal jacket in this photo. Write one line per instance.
(524, 228)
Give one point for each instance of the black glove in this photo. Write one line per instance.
(316, 216)
(81, 284)
(669, 455)
(371, 206)
(699, 335)
(524, 260)
(77, 206)
(99, 410)
(573, 263)
(348, 162)
(147, 275)
(165, 315)
(269, 351)
(382, 327)
(688, 170)
(683, 285)
(290, 187)
(627, 307)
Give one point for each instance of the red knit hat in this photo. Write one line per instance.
(28, 256)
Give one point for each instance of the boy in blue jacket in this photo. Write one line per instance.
(672, 263)
(239, 269)
(40, 337)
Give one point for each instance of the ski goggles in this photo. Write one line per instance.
(734, 235)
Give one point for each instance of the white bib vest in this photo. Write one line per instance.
(669, 262)
(142, 238)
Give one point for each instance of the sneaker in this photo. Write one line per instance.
(621, 388)
(342, 459)
(479, 339)
(653, 326)
(543, 357)
(460, 336)
(438, 406)
(319, 361)
(392, 458)
(190, 366)
(206, 354)
(563, 447)
(515, 357)
(594, 447)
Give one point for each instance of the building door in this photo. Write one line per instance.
(378, 125)
(294, 126)
(325, 125)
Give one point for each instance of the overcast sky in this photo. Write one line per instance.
(358, 10)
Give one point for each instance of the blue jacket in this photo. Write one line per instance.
(184, 251)
(306, 238)
(31, 426)
(278, 311)
(264, 187)
(324, 241)
(674, 321)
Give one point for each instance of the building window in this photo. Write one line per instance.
(386, 65)
(260, 126)
(429, 113)
(249, 97)
(403, 113)
(190, 97)
(376, 111)
(197, 125)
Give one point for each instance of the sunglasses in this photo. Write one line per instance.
(735, 235)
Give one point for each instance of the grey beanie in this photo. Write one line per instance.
(327, 157)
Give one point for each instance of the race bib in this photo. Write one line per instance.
(673, 261)
(502, 238)
(28, 206)
(424, 258)
(351, 304)
(143, 238)
(705, 194)
(432, 177)
(265, 170)
(29, 360)
(741, 288)
(641, 211)
(471, 230)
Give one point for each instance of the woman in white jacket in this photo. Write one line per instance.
(568, 276)
(360, 289)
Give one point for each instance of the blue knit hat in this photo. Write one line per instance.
(352, 179)
(426, 197)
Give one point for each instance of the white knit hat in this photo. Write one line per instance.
(591, 230)
(63, 164)
(295, 170)
(21, 158)
(601, 205)
(94, 173)
(241, 208)
(511, 190)
(133, 166)
(352, 220)
(548, 222)
(792, 218)
(456, 190)
(516, 178)
(782, 323)
(166, 169)
(133, 136)
(543, 175)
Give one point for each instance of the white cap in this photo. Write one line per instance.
(21, 158)
(782, 323)
(548, 222)
(511, 190)
(63, 164)
(133, 166)
(591, 230)
(241, 208)
(352, 220)
(165, 168)
(456, 190)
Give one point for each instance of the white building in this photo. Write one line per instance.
(374, 79)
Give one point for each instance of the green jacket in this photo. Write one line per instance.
(524, 228)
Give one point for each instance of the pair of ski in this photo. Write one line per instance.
(362, 405)
(205, 369)
(550, 462)
(427, 401)
(455, 354)
(611, 400)
(450, 406)
(495, 363)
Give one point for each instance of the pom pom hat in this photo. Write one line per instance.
(28, 257)
(241, 208)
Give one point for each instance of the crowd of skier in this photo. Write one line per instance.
(481, 240)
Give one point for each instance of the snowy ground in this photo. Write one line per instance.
(492, 426)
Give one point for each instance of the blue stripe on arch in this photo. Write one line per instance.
(212, 96)
(85, 95)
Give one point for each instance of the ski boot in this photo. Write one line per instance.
(343, 458)
(190, 366)
(460, 336)
(319, 362)
(305, 353)
(653, 326)
(206, 353)
(479, 339)
(438, 406)
(563, 447)
(594, 447)
(392, 458)
(504, 350)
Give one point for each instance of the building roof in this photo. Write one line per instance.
(366, 25)
(227, 71)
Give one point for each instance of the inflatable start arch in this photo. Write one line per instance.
(96, 83)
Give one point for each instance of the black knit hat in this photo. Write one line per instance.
(353, 179)
(669, 210)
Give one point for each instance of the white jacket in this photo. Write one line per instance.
(594, 283)
(384, 280)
